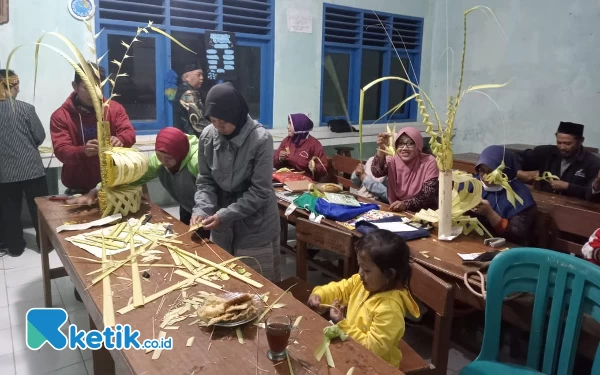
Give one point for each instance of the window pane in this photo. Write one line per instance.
(138, 90)
(332, 104)
(371, 70)
(249, 68)
(398, 88)
(180, 57)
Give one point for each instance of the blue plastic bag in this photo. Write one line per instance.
(338, 212)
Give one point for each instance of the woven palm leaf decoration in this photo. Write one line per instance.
(118, 166)
(441, 141)
(466, 195)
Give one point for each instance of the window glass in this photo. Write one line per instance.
(137, 90)
(398, 89)
(371, 70)
(248, 66)
(332, 103)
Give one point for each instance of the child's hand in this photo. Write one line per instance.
(314, 301)
(335, 313)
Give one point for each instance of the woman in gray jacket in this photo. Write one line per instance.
(235, 199)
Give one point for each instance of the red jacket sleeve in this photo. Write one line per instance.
(62, 142)
(121, 125)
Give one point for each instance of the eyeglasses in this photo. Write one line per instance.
(400, 146)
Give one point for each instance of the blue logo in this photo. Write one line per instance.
(44, 326)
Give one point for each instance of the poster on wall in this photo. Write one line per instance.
(3, 12)
(299, 21)
(220, 55)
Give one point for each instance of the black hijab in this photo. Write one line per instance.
(226, 103)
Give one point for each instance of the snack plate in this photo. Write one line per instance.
(235, 324)
(258, 303)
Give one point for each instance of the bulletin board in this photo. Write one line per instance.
(220, 55)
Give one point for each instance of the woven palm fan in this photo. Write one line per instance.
(466, 195)
(121, 166)
(120, 199)
(124, 166)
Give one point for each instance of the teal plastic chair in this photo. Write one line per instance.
(565, 286)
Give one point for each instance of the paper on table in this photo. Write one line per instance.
(455, 232)
(97, 251)
(395, 226)
(95, 223)
(469, 256)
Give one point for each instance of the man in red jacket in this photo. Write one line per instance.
(73, 129)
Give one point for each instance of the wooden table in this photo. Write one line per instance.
(350, 266)
(226, 355)
(545, 206)
(519, 147)
(450, 264)
(466, 162)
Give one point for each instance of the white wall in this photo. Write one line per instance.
(551, 52)
(28, 20)
(298, 57)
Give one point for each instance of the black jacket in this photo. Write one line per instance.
(188, 110)
(580, 174)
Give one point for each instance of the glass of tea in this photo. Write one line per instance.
(279, 329)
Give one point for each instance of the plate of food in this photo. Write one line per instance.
(329, 188)
(229, 310)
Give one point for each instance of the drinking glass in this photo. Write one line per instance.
(279, 329)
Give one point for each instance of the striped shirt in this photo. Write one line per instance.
(21, 133)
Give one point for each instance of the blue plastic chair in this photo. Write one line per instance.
(564, 285)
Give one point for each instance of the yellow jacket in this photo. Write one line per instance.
(377, 321)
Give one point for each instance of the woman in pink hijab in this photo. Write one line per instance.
(412, 175)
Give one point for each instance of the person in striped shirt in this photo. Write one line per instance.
(22, 172)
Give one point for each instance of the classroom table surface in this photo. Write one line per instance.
(441, 256)
(545, 201)
(211, 352)
(467, 157)
(516, 147)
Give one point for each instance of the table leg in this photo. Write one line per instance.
(284, 231)
(103, 362)
(350, 266)
(45, 248)
(301, 260)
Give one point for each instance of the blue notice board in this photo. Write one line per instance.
(220, 55)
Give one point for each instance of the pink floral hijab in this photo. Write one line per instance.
(405, 180)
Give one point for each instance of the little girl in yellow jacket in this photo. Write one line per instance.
(377, 298)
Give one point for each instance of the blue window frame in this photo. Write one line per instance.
(187, 20)
(357, 50)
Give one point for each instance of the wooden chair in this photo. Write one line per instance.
(571, 227)
(437, 295)
(324, 238)
(299, 288)
(344, 150)
(342, 168)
